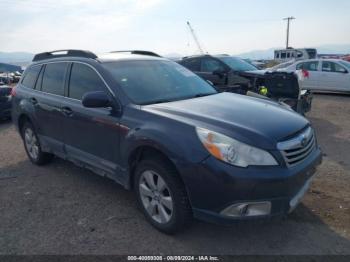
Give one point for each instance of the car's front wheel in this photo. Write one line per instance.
(162, 195)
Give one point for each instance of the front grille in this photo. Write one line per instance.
(296, 149)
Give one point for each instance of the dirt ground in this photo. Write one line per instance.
(63, 209)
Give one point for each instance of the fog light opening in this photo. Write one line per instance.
(248, 209)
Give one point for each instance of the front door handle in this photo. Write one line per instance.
(33, 101)
(66, 111)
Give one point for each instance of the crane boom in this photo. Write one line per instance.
(195, 38)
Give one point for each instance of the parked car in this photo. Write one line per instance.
(230, 74)
(157, 128)
(221, 70)
(5, 102)
(323, 74)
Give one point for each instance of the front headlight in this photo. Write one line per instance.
(234, 152)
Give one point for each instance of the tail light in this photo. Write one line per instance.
(306, 73)
(13, 91)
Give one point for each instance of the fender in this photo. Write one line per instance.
(179, 152)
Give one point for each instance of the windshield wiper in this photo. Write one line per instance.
(160, 101)
(180, 98)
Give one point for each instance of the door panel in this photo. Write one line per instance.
(91, 134)
(334, 77)
(313, 81)
(48, 105)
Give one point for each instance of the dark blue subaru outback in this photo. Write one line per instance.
(155, 127)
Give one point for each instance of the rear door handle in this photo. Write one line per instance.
(33, 101)
(66, 111)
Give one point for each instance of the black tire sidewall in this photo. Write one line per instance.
(40, 157)
(175, 221)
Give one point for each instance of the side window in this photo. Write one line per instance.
(310, 66)
(339, 69)
(332, 67)
(30, 76)
(211, 65)
(83, 79)
(53, 79)
(192, 64)
(283, 55)
(300, 66)
(40, 79)
(278, 55)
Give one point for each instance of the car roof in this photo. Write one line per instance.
(207, 55)
(196, 56)
(110, 57)
(319, 59)
(82, 55)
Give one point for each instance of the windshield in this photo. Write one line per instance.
(237, 64)
(346, 64)
(156, 81)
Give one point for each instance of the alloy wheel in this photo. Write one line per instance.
(31, 143)
(156, 197)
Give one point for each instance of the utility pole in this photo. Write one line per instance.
(288, 21)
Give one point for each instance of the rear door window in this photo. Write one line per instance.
(84, 79)
(53, 79)
(39, 81)
(30, 77)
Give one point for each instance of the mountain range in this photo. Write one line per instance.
(23, 58)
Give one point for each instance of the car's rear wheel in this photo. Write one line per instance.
(162, 195)
(33, 147)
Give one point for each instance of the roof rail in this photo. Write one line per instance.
(194, 56)
(137, 52)
(64, 53)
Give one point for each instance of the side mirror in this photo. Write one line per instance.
(220, 73)
(96, 99)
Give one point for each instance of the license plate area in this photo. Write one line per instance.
(298, 197)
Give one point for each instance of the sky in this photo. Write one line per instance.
(222, 26)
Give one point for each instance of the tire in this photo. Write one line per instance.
(32, 145)
(178, 209)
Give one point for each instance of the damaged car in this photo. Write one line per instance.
(231, 74)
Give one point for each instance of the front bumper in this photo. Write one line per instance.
(213, 186)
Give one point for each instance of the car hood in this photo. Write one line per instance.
(254, 121)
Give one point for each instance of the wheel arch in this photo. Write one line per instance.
(143, 151)
(23, 118)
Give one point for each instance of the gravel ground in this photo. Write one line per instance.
(63, 209)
